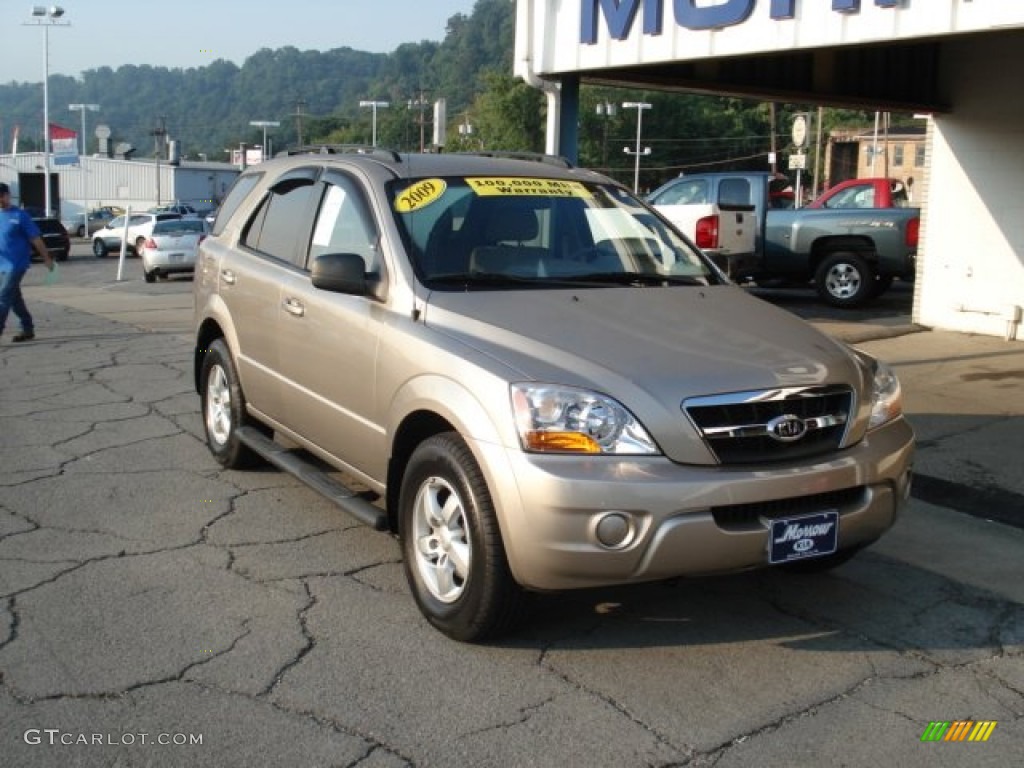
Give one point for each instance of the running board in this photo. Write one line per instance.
(293, 463)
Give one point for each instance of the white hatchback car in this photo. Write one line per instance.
(172, 247)
(140, 226)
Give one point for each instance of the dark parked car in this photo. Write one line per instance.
(58, 243)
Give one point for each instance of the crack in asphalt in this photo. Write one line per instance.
(12, 626)
(617, 706)
(308, 646)
(178, 677)
(526, 713)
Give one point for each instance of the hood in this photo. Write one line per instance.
(696, 341)
(650, 348)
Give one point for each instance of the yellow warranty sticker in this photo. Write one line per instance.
(419, 195)
(495, 186)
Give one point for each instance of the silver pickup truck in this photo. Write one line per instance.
(850, 255)
(527, 375)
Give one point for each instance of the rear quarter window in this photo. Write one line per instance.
(239, 191)
(734, 194)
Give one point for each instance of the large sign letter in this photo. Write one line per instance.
(620, 15)
(783, 9)
(714, 17)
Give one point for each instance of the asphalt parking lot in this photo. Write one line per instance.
(156, 610)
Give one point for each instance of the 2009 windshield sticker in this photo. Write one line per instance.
(495, 186)
(419, 195)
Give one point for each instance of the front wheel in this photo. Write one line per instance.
(223, 407)
(845, 280)
(453, 553)
(99, 248)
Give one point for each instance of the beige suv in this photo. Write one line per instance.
(540, 381)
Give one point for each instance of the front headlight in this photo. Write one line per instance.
(886, 396)
(557, 419)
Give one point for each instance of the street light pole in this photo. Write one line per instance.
(46, 18)
(264, 124)
(83, 108)
(375, 105)
(606, 110)
(639, 106)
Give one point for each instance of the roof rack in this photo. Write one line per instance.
(538, 157)
(339, 149)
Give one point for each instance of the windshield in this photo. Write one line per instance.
(493, 233)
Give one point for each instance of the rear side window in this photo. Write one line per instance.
(734, 194)
(239, 191)
(49, 226)
(693, 192)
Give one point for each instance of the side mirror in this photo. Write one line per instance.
(340, 273)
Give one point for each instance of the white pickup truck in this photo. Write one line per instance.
(717, 212)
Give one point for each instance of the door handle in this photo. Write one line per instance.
(228, 276)
(293, 307)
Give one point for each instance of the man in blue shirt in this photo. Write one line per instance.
(19, 235)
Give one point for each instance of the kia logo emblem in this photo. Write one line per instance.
(787, 428)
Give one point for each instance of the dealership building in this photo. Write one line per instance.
(955, 62)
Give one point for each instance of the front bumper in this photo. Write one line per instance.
(682, 520)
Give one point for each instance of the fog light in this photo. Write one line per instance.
(614, 530)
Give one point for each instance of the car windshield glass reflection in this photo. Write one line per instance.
(539, 233)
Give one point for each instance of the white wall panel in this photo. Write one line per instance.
(973, 234)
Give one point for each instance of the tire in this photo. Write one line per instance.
(223, 408)
(456, 567)
(99, 248)
(80, 232)
(149, 277)
(63, 255)
(845, 279)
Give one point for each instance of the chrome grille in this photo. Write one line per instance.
(772, 425)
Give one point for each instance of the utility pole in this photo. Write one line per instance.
(159, 139)
(421, 104)
(298, 114)
(817, 154)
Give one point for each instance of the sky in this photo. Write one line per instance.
(194, 33)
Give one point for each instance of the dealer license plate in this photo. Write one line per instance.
(796, 538)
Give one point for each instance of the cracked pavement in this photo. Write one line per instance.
(144, 590)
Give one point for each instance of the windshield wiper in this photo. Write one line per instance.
(641, 279)
(495, 280)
